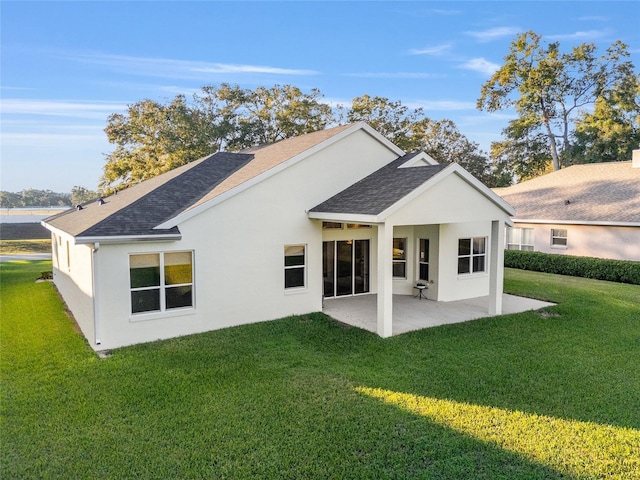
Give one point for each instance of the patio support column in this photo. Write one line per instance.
(496, 267)
(385, 280)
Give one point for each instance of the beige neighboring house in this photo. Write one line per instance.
(584, 210)
(237, 238)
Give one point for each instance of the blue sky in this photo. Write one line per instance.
(67, 65)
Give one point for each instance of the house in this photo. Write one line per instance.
(237, 238)
(584, 210)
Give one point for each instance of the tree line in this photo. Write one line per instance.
(569, 107)
(32, 197)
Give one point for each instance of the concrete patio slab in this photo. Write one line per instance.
(410, 313)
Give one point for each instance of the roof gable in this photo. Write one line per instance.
(388, 189)
(270, 159)
(153, 208)
(135, 211)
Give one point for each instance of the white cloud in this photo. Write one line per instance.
(494, 33)
(433, 50)
(174, 68)
(481, 65)
(580, 35)
(24, 139)
(60, 108)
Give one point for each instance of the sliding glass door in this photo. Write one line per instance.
(345, 267)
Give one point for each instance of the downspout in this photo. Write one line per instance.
(94, 278)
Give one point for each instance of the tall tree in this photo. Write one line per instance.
(549, 89)
(411, 130)
(612, 130)
(152, 138)
(80, 194)
(392, 119)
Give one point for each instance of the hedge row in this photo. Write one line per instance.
(621, 271)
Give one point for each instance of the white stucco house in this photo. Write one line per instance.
(588, 210)
(268, 232)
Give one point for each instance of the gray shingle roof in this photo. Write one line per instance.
(138, 209)
(598, 192)
(135, 211)
(374, 194)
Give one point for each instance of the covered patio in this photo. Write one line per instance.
(410, 313)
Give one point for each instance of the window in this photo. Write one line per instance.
(399, 258)
(471, 255)
(331, 225)
(357, 225)
(559, 237)
(520, 239)
(294, 266)
(161, 281)
(423, 260)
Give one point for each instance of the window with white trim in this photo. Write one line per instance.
(472, 253)
(559, 237)
(423, 259)
(520, 239)
(400, 258)
(295, 261)
(161, 281)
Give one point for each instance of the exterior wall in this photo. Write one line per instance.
(73, 278)
(238, 250)
(452, 285)
(448, 211)
(619, 243)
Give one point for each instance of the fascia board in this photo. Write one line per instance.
(57, 231)
(128, 239)
(577, 222)
(187, 214)
(343, 217)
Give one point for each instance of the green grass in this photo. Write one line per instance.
(525, 396)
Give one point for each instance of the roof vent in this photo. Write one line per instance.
(78, 207)
(101, 201)
(567, 202)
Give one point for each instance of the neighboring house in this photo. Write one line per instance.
(237, 238)
(586, 210)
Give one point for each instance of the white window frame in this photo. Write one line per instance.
(423, 261)
(555, 236)
(162, 287)
(302, 267)
(472, 255)
(400, 261)
(515, 236)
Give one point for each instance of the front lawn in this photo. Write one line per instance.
(551, 395)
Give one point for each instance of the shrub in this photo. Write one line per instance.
(621, 271)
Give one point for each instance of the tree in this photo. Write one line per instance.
(612, 130)
(81, 195)
(152, 138)
(390, 118)
(550, 90)
(411, 130)
(32, 197)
